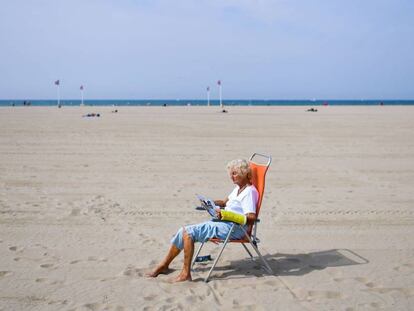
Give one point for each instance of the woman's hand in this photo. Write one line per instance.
(221, 203)
(218, 213)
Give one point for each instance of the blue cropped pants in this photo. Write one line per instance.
(204, 231)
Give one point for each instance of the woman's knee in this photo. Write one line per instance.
(178, 239)
(187, 235)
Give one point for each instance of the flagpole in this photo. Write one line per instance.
(58, 94)
(81, 90)
(208, 96)
(221, 101)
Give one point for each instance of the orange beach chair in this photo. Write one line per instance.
(258, 180)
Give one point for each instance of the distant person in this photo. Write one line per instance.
(89, 115)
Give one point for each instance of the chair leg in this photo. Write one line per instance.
(196, 254)
(268, 268)
(247, 250)
(221, 251)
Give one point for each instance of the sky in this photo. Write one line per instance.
(174, 49)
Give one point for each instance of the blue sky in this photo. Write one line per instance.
(260, 49)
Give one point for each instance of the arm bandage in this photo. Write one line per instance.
(234, 217)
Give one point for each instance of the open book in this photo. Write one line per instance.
(208, 205)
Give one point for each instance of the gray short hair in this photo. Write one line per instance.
(241, 166)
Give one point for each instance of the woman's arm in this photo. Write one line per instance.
(251, 217)
(221, 203)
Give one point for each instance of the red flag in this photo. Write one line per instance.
(81, 87)
(57, 82)
(219, 82)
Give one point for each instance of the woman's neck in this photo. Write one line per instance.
(242, 187)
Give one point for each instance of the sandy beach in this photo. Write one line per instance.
(88, 206)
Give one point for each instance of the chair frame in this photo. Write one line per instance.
(249, 237)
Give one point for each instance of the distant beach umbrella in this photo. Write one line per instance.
(208, 96)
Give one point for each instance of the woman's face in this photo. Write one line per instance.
(237, 178)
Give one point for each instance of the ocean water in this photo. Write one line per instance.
(197, 102)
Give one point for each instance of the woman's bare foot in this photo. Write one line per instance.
(182, 277)
(158, 270)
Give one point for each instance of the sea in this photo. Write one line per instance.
(198, 102)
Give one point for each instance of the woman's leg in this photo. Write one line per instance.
(163, 266)
(185, 274)
(177, 244)
(184, 239)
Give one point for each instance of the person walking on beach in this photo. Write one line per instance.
(242, 201)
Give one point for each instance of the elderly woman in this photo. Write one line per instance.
(240, 204)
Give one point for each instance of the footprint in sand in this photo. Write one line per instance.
(273, 284)
(145, 239)
(133, 272)
(375, 305)
(313, 294)
(407, 267)
(4, 273)
(74, 261)
(150, 297)
(362, 280)
(95, 306)
(170, 300)
(407, 292)
(111, 278)
(190, 300)
(46, 265)
(365, 281)
(75, 212)
(13, 248)
(93, 258)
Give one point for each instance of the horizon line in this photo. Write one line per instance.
(211, 100)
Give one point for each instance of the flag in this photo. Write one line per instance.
(57, 82)
(81, 88)
(208, 89)
(219, 82)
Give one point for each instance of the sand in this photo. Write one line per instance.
(88, 205)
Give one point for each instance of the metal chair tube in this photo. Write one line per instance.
(195, 255)
(269, 269)
(221, 251)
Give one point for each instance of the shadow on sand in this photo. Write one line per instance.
(285, 264)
